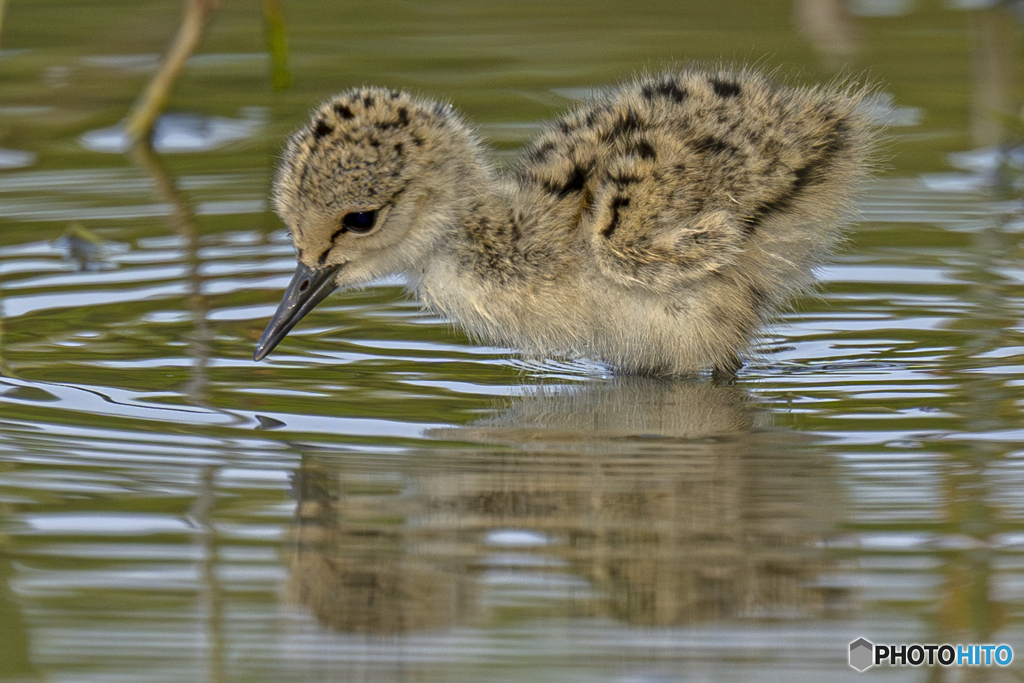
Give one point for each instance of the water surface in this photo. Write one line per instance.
(384, 500)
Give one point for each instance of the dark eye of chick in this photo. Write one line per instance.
(359, 221)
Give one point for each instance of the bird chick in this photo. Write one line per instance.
(656, 227)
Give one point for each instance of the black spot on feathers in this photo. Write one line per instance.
(617, 203)
(322, 129)
(725, 88)
(574, 183)
(666, 89)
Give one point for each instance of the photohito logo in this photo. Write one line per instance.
(864, 654)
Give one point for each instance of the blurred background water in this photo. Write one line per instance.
(384, 500)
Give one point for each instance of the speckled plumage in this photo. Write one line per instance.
(656, 227)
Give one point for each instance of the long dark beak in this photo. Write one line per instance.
(309, 286)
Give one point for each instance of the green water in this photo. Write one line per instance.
(384, 500)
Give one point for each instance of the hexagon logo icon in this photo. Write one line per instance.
(862, 653)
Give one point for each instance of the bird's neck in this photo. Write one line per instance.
(496, 270)
(512, 235)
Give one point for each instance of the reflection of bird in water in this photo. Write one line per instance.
(655, 228)
(671, 501)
